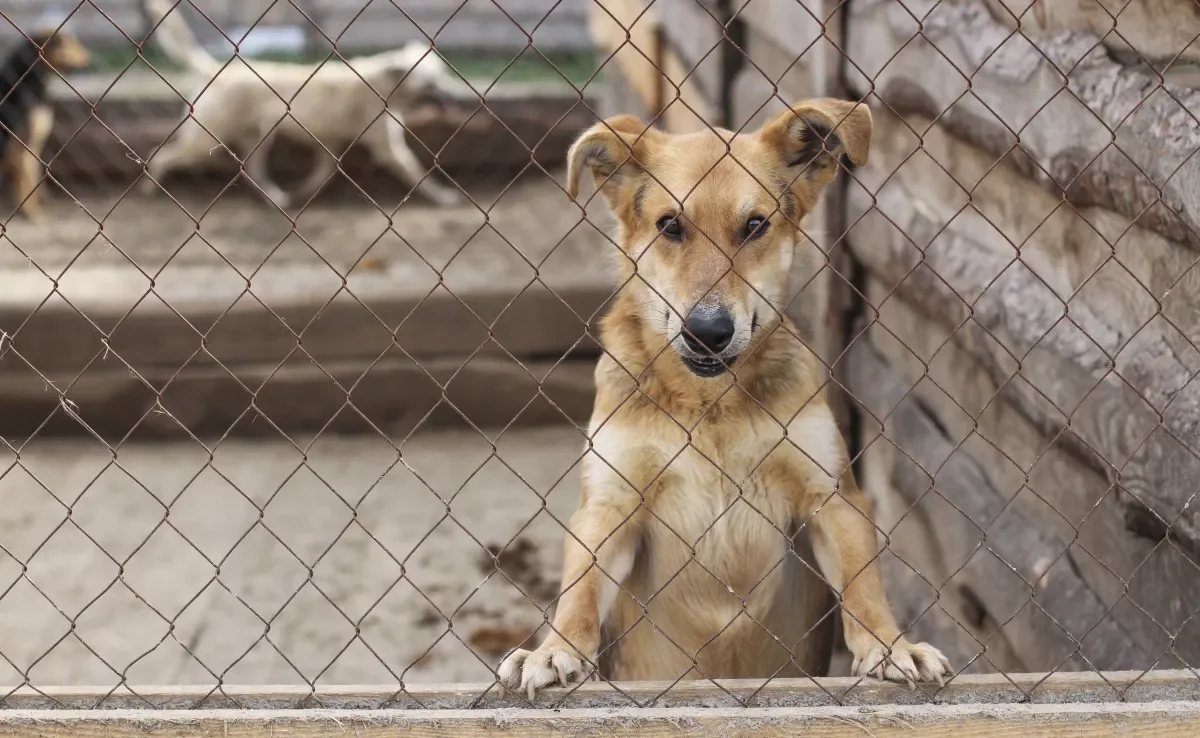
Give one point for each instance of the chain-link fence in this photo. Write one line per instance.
(328, 360)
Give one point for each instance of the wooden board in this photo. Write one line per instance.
(625, 32)
(58, 341)
(1160, 32)
(1079, 721)
(1133, 412)
(394, 396)
(1129, 687)
(1109, 135)
(1155, 704)
(1020, 560)
(1062, 492)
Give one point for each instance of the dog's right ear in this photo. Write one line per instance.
(613, 149)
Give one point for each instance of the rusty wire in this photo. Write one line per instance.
(833, 268)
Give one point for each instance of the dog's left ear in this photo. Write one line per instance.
(815, 135)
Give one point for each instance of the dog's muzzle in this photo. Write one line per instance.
(707, 334)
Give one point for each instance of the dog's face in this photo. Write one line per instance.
(63, 51)
(710, 221)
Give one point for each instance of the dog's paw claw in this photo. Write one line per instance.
(529, 672)
(908, 663)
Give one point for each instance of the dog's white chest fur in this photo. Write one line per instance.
(713, 499)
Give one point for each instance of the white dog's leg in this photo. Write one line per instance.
(323, 169)
(189, 144)
(156, 169)
(396, 153)
(256, 170)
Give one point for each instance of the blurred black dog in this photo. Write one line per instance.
(26, 116)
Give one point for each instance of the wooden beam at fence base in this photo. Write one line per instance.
(1152, 719)
(1128, 687)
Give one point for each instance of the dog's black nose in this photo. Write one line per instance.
(708, 332)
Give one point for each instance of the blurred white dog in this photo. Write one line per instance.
(248, 104)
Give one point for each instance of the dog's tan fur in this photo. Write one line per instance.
(692, 487)
(22, 160)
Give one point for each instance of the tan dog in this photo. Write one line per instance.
(711, 440)
(26, 113)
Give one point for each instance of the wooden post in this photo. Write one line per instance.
(660, 89)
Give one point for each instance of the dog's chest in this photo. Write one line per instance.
(717, 499)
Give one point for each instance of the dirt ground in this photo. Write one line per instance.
(155, 566)
(504, 228)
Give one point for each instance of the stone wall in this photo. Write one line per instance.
(1019, 341)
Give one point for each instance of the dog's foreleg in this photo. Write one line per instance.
(405, 164)
(188, 144)
(323, 169)
(28, 168)
(256, 171)
(598, 556)
(25, 170)
(847, 550)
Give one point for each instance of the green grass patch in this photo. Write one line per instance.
(116, 59)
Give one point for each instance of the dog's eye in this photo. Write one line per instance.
(669, 226)
(755, 228)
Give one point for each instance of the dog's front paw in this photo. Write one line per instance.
(907, 662)
(552, 663)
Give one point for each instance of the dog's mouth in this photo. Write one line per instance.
(708, 366)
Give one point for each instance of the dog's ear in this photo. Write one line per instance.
(65, 52)
(613, 149)
(815, 136)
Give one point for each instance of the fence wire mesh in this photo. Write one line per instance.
(301, 324)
